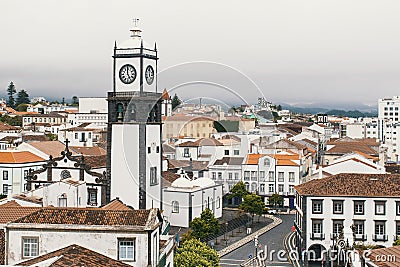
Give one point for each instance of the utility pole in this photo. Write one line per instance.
(255, 254)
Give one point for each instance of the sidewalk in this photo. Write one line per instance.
(274, 221)
(239, 233)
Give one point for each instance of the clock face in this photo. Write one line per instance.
(149, 75)
(127, 74)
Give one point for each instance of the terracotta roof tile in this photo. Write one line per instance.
(75, 256)
(252, 159)
(87, 216)
(88, 151)
(116, 204)
(9, 214)
(11, 203)
(53, 148)
(393, 253)
(19, 157)
(201, 142)
(353, 184)
(229, 161)
(185, 164)
(96, 161)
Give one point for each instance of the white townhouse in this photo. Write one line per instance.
(132, 236)
(186, 199)
(268, 174)
(78, 136)
(356, 208)
(14, 169)
(208, 149)
(226, 171)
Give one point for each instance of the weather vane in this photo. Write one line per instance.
(135, 21)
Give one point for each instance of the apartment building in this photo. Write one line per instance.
(356, 208)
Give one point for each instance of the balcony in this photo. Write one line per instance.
(382, 238)
(317, 236)
(360, 237)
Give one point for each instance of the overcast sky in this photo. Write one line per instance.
(294, 51)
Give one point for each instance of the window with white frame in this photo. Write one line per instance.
(236, 176)
(267, 162)
(246, 175)
(358, 207)
(175, 207)
(126, 249)
(271, 188)
(92, 197)
(253, 187)
(338, 206)
(317, 206)
(262, 188)
(281, 176)
(379, 227)
(153, 176)
(62, 200)
(379, 208)
(253, 175)
(397, 208)
(317, 226)
(337, 227)
(291, 189)
(220, 176)
(291, 177)
(280, 188)
(247, 186)
(5, 189)
(214, 175)
(236, 152)
(5, 175)
(30, 247)
(230, 175)
(359, 227)
(262, 174)
(26, 172)
(218, 202)
(271, 176)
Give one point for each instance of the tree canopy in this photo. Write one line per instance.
(10, 92)
(275, 200)
(22, 98)
(252, 204)
(175, 101)
(194, 253)
(238, 190)
(205, 225)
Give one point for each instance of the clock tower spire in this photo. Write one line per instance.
(134, 125)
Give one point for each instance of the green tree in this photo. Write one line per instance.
(22, 98)
(22, 107)
(279, 108)
(275, 200)
(194, 253)
(205, 225)
(175, 101)
(252, 204)
(75, 100)
(10, 92)
(238, 190)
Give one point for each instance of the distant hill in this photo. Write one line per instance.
(336, 112)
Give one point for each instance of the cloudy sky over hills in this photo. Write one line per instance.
(290, 51)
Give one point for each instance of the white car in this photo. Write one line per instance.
(272, 211)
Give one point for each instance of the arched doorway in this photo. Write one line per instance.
(316, 253)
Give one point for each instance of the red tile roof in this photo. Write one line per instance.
(201, 142)
(75, 256)
(390, 254)
(116, 204)
(353, 184)
(9, 214)
(19, 157)
(90, 216)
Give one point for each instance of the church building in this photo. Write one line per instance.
(134, 125)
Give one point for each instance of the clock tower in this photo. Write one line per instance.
(134, 125)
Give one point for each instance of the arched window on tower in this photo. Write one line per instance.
(120, 112)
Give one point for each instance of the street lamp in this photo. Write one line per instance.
(226, 229)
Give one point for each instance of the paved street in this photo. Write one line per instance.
(274, 241)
